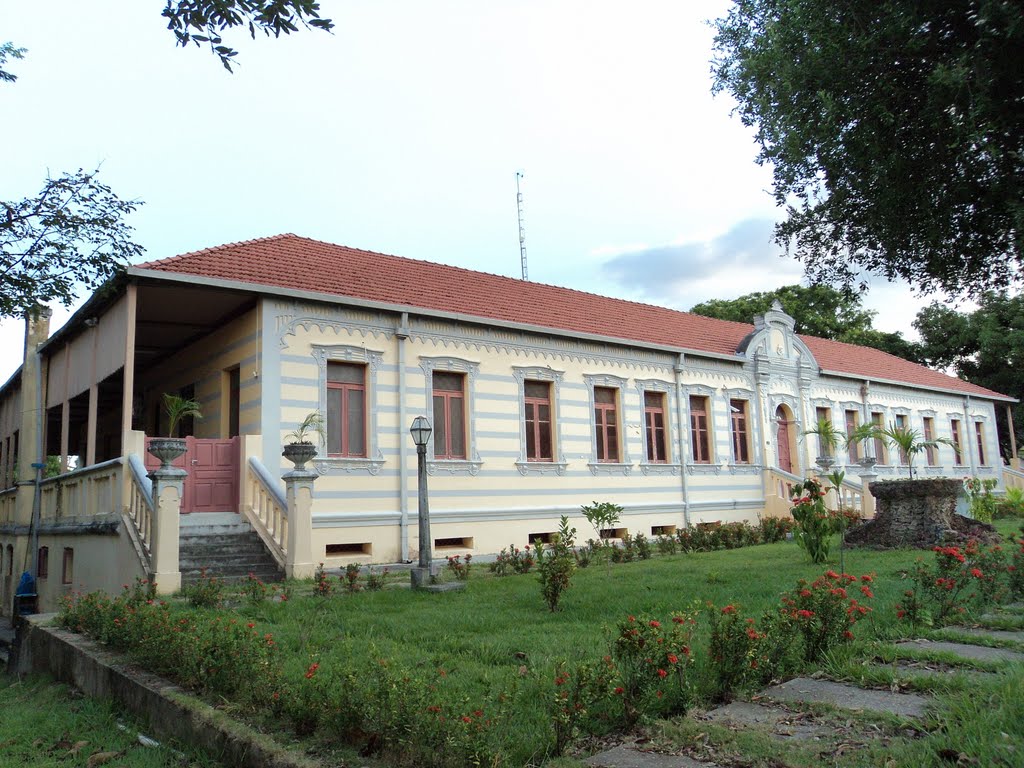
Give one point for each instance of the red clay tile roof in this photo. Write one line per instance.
(302, 264)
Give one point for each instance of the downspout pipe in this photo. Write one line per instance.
(402, 334)
(40, 463)
(682, 441)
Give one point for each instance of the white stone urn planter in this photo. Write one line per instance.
(299, 453)
(167, 449)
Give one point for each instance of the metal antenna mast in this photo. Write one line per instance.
(522, 230)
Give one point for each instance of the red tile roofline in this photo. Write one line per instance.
(332, 298)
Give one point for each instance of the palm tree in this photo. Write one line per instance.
(910, 442)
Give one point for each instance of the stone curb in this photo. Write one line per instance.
(170, 710)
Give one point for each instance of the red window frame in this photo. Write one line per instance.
(901, 423)
(929, 434)
(820, 415)
(67, 568)
(342, 389)
(699, 438)
(448, 400)
(535, 425)
(43, 563)
(654, 428)
(606, 425)
(954, 428)
(979, 432)
(851, 427)
(881, 456)
(740, 431)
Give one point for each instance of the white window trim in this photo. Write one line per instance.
(522, 374)
(668, 389)
(469, 369)
(712, 467)
(624, 466)
(346, 353)
(752, 467)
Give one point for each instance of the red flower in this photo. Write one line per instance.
(655, 624)
(867, 591)
(662, 673)
(619, 691)
(729, 609)
(672, 658)
(805, 593)
(678, 620)
(832, 574)
(848, 635)
(866, 578)
(976, 573)
(804, 613)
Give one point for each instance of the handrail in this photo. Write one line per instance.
(141, 478)
(266, 509)
(267, 480)
(79, 472)
(140, 510)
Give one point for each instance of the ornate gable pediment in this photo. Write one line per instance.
(774, 340)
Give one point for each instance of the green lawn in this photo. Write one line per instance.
(43, 723)
(494, 648)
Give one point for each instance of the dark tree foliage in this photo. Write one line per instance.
(985, 347)
(818, 310)
(895, 130)
(204, 21)
(8, 49)
(72, 233)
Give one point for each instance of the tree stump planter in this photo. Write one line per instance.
(918, 514)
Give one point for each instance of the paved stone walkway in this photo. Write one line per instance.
(766, 714)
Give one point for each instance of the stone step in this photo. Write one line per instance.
(843, 696)
(266, 575)
(995, 634)
(904, 669)
(227, 547)
(628, 756)
(780, 722)
(964, 651)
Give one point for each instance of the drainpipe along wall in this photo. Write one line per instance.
(402, 335)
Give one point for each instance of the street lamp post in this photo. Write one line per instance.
(420, 431)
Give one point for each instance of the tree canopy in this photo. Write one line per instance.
(73, 232)
(985, 347)
(894, 130)
(818, 310)
(205, 21)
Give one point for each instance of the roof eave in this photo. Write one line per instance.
(331, 298)
(894, 382)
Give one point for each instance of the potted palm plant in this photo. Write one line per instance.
(177, 408)
(300, 447)
(910, 442)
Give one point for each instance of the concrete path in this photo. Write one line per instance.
(965, 651)
(765, 714)
(806, 690)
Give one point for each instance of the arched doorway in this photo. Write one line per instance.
(784, 439)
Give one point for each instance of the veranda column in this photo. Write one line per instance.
(168, 489)
(299, 495)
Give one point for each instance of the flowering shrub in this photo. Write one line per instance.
(667, 545)
(218, 656)
(650, 661)
(825, 610)
(512, 560)
(208, 592)
(350, 579)
(961, 579)
(322, 587)
(375, 579)
(1016, 567)
(773, 529)
(253, 590)
(575, 692)
(556, 564)
(815, 522)
(742, 654)
(980, 498)
(459, 567)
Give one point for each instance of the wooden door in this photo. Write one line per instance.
(782, 440)
(212, 481)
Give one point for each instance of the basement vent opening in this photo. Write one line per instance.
(614, 533)
(365, 548)
(663, 530)
(543, 538)
(454, 542)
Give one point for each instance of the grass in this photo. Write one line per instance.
(48, 724)
(498, 637)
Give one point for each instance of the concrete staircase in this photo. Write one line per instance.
(226, 546)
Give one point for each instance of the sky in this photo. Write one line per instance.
(402, 132)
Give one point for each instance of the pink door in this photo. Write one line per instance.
(782, 440)
(212, 482)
